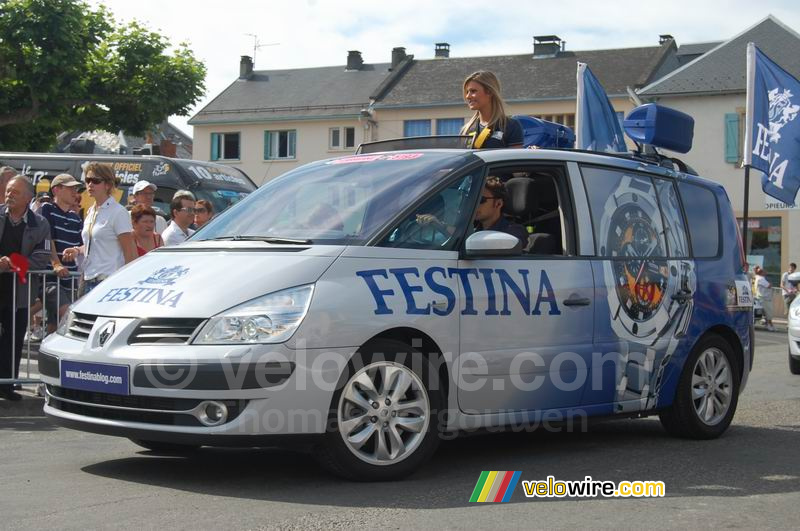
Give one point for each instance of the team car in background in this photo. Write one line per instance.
(320, 306)
(221, 185)
(794, 329)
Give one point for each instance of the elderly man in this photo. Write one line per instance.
(182, 210)
(6, 173)
(25, 233)
(144, 192)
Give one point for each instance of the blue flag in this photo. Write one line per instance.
(596, 124)
(772, 135)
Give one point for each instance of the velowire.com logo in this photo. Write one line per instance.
(494, 486)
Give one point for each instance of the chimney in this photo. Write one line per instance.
(442, 50)
(354, 60)
(398, 55)
(546, 45)
(246, 67)
(664, 38)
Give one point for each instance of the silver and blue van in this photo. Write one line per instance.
(319, 309)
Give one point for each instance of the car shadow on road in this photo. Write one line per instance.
(746, 461)
(26, 424)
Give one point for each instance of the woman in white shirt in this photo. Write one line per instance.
(108, 242)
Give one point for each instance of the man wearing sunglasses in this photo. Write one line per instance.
(488, 216)
(182, 209)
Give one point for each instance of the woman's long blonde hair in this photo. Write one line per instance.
(491, 84)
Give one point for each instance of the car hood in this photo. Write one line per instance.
(202, 279)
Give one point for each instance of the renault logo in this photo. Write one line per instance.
(106, 332)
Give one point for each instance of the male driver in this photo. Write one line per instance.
(25, 233)
(144, 192)
(182, 210)
(489, 215)
(65, 230)
(789, 289)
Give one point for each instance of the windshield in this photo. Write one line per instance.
(341, 201)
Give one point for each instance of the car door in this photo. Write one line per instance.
(527, 319)
(645, 282)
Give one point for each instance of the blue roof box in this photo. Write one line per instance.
(660, 126)
(544, 134)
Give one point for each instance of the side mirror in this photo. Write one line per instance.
(492, 243)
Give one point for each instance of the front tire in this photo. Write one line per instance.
(707, 393)
(384, 420)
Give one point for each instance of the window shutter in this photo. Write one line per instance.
(266, 145)
(214, 146)
(732, 137)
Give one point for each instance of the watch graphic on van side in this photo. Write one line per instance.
(649, 296)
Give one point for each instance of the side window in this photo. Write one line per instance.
(702, 214)
(437, 223)
(675, 229)
(625, 214)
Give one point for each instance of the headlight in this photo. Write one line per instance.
(272, 318)
(65, 323)
(795, 311)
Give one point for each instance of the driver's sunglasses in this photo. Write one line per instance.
(93, 180)
(190, 210)
(484, 198)
(200, 210)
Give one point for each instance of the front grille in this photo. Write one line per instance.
(170, 411)
(81, 325)
(164, 331)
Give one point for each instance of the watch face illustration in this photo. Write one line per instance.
(641, 283)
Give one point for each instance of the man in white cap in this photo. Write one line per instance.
(145, 192)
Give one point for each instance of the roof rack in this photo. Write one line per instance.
(415, 142)
(646, 153)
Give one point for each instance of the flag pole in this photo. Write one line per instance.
(747, 150)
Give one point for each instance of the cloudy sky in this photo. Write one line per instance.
(305, 33)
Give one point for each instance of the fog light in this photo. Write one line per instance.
(212, 413)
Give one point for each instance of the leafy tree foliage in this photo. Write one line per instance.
(65, 66)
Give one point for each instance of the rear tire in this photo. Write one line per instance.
(165, 447)
(707, 393)
(794, 364)
(384, 420)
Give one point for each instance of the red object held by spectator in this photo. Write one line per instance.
(20, 265)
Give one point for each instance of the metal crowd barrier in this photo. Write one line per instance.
(42, 279)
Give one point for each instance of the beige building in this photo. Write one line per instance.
(269, 122)
(711, 88)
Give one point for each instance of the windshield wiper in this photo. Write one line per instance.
(268, 239)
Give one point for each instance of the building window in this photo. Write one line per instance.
(449, 126)
(341, 137)
(763, 247)
(225, 146)
(416, 128)
(280, 144)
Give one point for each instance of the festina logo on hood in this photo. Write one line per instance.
(163, 297)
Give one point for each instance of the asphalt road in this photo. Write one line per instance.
(57, 478)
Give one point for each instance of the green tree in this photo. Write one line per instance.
(65, 66)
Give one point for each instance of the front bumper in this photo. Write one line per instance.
(794, 338)
(267, 390)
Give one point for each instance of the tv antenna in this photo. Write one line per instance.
(257, 44)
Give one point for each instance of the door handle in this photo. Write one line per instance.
(683, 296)
(440, 305)
(577, 301)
